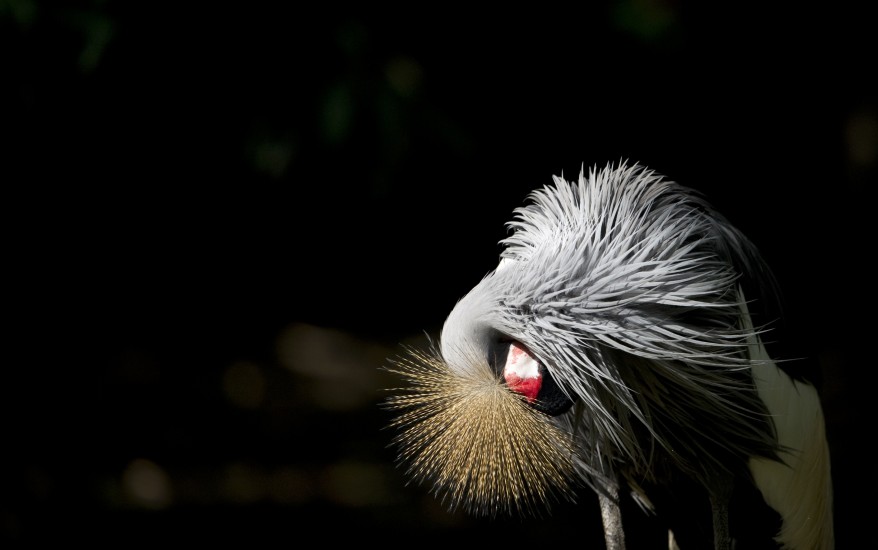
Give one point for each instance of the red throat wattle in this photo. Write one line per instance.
(522, 373)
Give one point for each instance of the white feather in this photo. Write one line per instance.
(800, 488)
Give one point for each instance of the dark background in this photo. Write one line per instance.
(222, 221)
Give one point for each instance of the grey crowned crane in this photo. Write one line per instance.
(621, 345)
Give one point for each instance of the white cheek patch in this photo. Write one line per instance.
(522, 372)
(520, 362)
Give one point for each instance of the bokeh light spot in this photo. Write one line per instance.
(146, 484)
(340, 370)
(404, 75)
(862, 138)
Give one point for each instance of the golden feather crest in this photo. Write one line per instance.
(479, 445)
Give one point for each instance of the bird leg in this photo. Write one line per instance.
(611, 515)
(719, 505)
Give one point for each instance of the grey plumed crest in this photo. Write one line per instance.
(624, 252)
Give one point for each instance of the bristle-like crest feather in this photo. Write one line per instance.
(480, 446)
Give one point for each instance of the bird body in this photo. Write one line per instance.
(615, 345)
